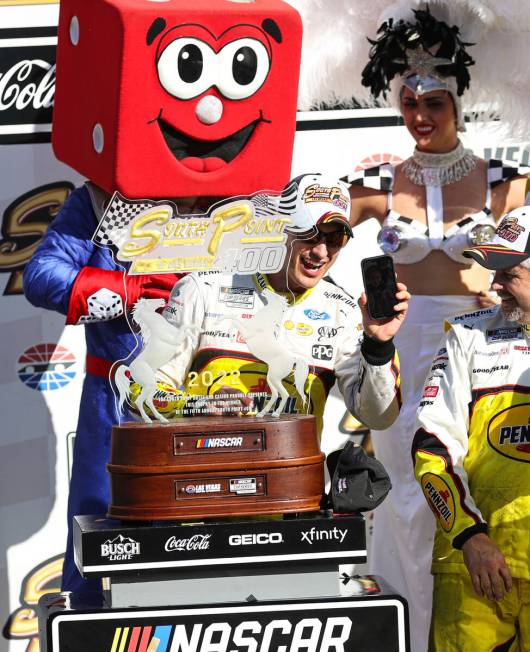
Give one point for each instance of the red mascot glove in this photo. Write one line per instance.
(101, 294)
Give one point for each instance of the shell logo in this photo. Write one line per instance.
(440, 499)
(509, 432)
(377, 159)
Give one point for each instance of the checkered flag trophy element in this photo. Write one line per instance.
(112, 229)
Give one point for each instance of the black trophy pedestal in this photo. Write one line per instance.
(232, 585)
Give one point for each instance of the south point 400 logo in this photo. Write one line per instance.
(120, 548)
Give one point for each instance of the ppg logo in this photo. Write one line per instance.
(322, 352)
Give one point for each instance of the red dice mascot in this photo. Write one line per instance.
(174, 99)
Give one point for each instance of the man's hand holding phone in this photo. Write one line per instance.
(384, 303)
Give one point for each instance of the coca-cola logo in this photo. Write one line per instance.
(196, 542)
(27, 84)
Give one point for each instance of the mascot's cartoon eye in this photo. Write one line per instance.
(187, 67)
(243, 67)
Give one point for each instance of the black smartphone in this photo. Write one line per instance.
(380, 286)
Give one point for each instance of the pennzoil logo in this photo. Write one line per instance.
(509, 432)
(23, 623)
(440, 499)
(24, 223)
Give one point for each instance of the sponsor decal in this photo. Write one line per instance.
(27, 84)
(523, 349)
(22, 624)
(46, 367)
(471, 315)
(510, 229)
(442, 351)
(424, 403)
(209, 488)
(195, 542)
(439, 366)
(504, 334)
(24, 223)
(215, 315)
(288, 325)
(440, 499)
(322, 351)
(492, 369)
(236, 297)
(243, 485)
(219, 333)
(328, 332)
(120, 548)
(316, 534)
(263, 538)
(219, 442)
(504, 350)
(341, 297)
(430, 391)
(509, 432)
(330, 194)
(315, 315)
(304, 329)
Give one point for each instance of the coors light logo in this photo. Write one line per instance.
(27, 84)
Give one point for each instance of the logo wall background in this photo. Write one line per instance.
(39, 420)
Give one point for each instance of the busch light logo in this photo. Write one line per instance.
(46, 367)
(120, 548)
(27, 84)
(196, 542)
(316, 315)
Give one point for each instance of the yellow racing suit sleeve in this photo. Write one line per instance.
(440, 443)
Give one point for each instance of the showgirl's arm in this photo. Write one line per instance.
(508, 195)
(367, 203)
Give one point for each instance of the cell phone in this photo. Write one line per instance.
(379, 280)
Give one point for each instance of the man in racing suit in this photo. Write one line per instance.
(472, 458)
(321, 324)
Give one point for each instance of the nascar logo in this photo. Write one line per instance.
(219, 442)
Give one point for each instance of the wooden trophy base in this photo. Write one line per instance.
(209, 467)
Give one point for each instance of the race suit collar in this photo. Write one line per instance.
(261, 282)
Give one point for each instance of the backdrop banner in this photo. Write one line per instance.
(43, 361)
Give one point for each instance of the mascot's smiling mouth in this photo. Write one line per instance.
(206, 155)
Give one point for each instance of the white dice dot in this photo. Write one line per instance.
(209, 110)
(74, 30)
(98, 139)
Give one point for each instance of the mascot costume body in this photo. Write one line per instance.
(176, 100)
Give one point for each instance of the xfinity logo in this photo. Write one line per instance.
(324, 535)
(262, 538)
(119, 549)
(322, 351)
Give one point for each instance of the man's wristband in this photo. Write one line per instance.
(375, 352)
(469, 532)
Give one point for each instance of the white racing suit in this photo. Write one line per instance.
(322, 326)
(472, 459)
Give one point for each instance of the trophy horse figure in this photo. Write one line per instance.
(261, 335)
(162, 341)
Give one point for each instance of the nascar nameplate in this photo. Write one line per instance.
(207, 467)
(109, 548)
(377, 623)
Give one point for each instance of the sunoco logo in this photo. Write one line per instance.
(509, 432)
(196, 542)
(119, 549)
(440, 499)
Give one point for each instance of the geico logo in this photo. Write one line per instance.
(252, 539)
(306, 635)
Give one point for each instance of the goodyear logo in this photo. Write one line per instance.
(440, 499)
(509, 432)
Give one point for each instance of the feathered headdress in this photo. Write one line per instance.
(426, 48)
